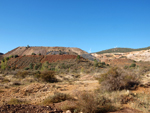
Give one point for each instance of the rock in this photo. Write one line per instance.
(68, 111)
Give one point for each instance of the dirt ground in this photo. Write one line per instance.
(36, 92)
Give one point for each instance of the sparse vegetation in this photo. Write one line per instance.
(15, 101)
(57, 97)
(118, 79)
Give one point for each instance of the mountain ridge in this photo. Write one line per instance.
(121, 50)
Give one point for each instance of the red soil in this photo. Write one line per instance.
(24, 61)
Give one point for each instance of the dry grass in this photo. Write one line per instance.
(141, 103)
(57, 97)
(15, 101)
(93, 103)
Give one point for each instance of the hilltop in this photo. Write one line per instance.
(45, 51)
(121, 50)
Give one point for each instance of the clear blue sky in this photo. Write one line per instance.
(86, 24)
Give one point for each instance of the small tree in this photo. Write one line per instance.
(33, 54)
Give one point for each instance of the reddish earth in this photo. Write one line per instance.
(28, 109)
(54, 58)
(24, 61)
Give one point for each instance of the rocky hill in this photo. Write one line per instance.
(121, 50)
(45, 51)
(143, 55)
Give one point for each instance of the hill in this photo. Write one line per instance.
(44, 51)
(121, 50)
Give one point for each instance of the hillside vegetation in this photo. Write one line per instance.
(121, 50)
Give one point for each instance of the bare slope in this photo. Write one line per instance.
(43, 50)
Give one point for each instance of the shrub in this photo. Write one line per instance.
(133, 65)
(48, 76)
(36, 67)
(11, 56)
(117, 79)
(39, 53)
(22, 74)
(33, 54)
(78, 57)
(7, 58)
(3, 64)
(26, 68)
(15, 56)
(31, 66)
(92, 103)
(95, 63)
(57, 97)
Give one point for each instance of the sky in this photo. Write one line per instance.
(92, 25)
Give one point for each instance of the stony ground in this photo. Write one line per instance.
(35, 93)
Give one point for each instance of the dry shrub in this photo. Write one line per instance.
(46, 76)
(22, 74)
(5, 80)
(69, 105)
(57, 97)
(92, 103)
(118, 79)
(15, 101)
(141, 103)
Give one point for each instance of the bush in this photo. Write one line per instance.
(22, 74)
(133, 65)
(36, 67)
(92, 103)
(48, 76)
(33, 54)
(26, 68)
(117, 79)
(57, 97)
(7, 58)
(31, 66)
(15, 56)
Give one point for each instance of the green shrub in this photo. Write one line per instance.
(36, 67)
(117, 79)
(33, 54)
(26, 68)
(15, 56)
(3, 64)
(39, 53)
(133, 65)
(31, 66)
(7, 58)
(11, 56)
